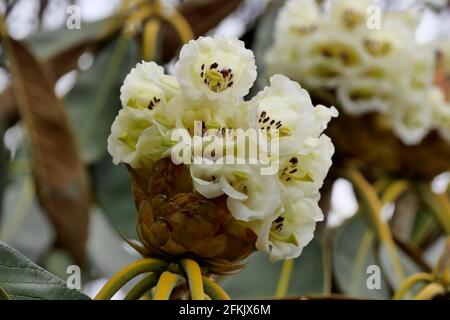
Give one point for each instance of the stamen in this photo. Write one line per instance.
(217, 80)
(285, 132)
(210, 124)
(168, 144)
(352, 18)
(292, 171)
(240, 176)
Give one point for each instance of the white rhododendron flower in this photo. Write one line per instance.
(287, 108)
(250, 195)
(364, 95)
(265, 159)
(285, 236)
(217, 68)
(413, 121)
(213, 114)
(146, 86)
(332, 50)
(154, 143)
(305, 170)
(350, 13)
(299, 17)
(126, 130)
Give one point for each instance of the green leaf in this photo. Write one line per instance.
(112, 185)
(424, 224)
(24, 225)
(22, 279)
(46, 44)
(408, 265)
(95, 100)
(260, 278)
(108, 252)
(353, 252)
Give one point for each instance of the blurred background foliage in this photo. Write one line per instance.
(63, 202)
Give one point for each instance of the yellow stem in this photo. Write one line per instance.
(393, 191)
(128, 273)
(439, 205)
(409, 282)
(166, 283)
(4, 295)
(142, 287)
(285, 276)
(194, 276)
(213, 290)
(180, 25)
(150, 39)
(135, 20)
(381, 228)
(430, 291)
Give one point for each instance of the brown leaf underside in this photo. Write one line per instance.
(60, 175)
(58, 65)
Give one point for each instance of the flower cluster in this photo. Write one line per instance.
(368, 68)
(212, 77)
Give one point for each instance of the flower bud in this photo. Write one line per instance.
(175, 222)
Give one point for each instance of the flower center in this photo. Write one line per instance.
(267, 123)
(339, 51)
(143, 101)
(217, 80)
(377, 48)
(305, 29)
(352, 18)
(291, 171)
(275, 233)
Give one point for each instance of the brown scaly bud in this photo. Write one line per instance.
(176, 222)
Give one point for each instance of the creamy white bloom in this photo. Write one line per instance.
(287, 108)
(184, 112)
(303, 172)
(413, 121)
(285, 236)
(146, 87)
(339, 55)
(215, 68)
(298, 17)
(125, 133)
(365, 94)
(154, 143)
(230, 146)
(350, 13)
(250, 195)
